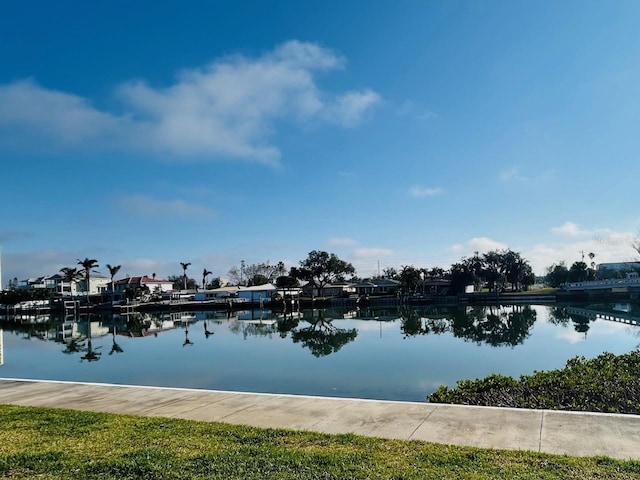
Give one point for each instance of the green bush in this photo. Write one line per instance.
(607, 383)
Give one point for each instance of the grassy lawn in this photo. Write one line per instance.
(54, 443)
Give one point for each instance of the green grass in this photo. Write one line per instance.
(53, 443)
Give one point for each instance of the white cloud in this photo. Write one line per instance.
(146, 206)
(226, 109)
(421, 192)
(56, 116)
(408, 108)
(570, 229)
(476, 244)
(512, 174)
(342, 242)
(485, 244)
(349, 109)
(365, 253)
(607, 245)
(515, 175)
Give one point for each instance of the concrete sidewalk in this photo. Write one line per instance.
(572, 433)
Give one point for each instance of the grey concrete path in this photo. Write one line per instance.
(572, 433)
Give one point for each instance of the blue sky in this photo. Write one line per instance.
(393, 133)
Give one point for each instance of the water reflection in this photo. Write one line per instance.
(321, 336)
(492, 325)
(320, 331)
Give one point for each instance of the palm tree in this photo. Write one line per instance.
(185, 265)
(71, 275)
(87, 265)
(205, 273)
(112, 271)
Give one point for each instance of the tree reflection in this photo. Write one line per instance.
(115, 347)
(558, 315)
(75, 345)
(417, 323)
(207, 332)
(493, 325)
(92, 354)
(287, 323)
(499, 326)
(322, 337)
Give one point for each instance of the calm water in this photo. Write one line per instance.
(372, 353)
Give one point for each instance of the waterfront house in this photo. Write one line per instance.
(57, 284)
(378, 286)
(216, 293)
(258, 293)
(336, 289)
(136, 284)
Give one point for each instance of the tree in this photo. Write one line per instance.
(578, 272)
(390, 273)
(113, 270)
(71, 275)
(205, 274)
(436, 272)
(322, 268)
(88, 264)
(178, 282)
(409, 278)
(557, 274)
(256, 273)
(185, 265)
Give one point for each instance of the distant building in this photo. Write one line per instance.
(617, 270)
(141, 283)
(57, 284)
(378, 286)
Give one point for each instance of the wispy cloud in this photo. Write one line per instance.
(409, 109)
(146, 206)
(422, 192)
(227, 109)
(365, 253)
(477, 244)
(569, 229)
(342, 242)
(516, 175)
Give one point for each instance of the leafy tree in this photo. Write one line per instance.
(437, 272)
(409, 278)
(322, 268)
(390, 273)
(215, 283)
(460, 275)
(286, 282)
(178, 282)
(557, 274)
(185, 265)
(578, 272)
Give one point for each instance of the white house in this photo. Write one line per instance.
(140, 283)
(56, 283)
(258, 293)
(216, 293)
